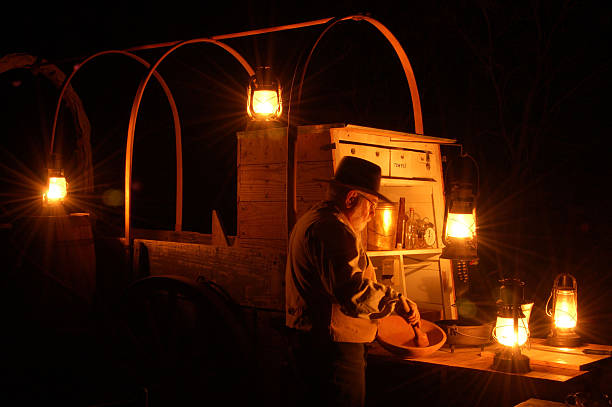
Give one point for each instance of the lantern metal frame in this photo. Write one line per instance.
(559, 336)
(510, 359)
(264, 80)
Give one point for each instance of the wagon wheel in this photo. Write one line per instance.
(187, 339)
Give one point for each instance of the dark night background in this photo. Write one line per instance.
(523, 86)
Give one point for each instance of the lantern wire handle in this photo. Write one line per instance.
(477, 170)
(555, 284)
(463, 154)
(548, 311)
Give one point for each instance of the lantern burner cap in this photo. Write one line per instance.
(512, 362)
(560, 338)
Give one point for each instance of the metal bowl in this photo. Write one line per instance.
(466, 332)
(397, 336)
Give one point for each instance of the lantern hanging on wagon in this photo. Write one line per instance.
(264, 99)
(459, 229)
(57, 187)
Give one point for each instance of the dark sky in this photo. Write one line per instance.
(523, 86)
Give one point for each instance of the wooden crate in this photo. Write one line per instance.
(262, 189)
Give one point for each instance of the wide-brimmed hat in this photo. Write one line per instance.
(359, 174)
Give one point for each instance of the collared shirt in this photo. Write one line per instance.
(331, 285)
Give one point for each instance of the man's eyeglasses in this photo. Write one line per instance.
(373, 203)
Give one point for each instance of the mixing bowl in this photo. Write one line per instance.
(397, 336)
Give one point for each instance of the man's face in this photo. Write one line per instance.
(360, 209)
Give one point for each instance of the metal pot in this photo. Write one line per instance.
(382, 227)
(466, 332)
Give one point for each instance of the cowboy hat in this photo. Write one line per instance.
(359, 174)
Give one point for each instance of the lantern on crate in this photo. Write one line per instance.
(564, 312)
(459, 228)
(264, 99)
(512, 327)
(57, 187)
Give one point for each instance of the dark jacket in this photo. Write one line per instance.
(331, 285)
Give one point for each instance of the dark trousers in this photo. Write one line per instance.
(327, 373)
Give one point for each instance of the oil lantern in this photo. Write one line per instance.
(511, 329)
(264, 100)
(564, 312)
(459, 235)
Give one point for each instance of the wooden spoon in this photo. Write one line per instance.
(420, 337)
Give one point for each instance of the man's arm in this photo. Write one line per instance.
(343, 275)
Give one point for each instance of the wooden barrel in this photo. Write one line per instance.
(61, 247)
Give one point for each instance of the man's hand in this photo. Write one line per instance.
(408, 310)
(387, 303)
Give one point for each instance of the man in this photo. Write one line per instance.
(333, 301)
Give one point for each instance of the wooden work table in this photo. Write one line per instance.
(548, 363)
(468, 371)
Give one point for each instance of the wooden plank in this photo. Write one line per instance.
(265, 182)
(263, 220)
(314, 143)
(277, 245)
(541, 343)
(396, 135)
(262, 146)
(172, 236)
(251, 277)
(447, 285)
(355, 135)
(307, 189)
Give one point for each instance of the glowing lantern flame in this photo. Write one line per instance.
(565, 309)
(504, 328)
(57, 188)
(460, 225)
(57, 191)
(265, 102)
(504, 332)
